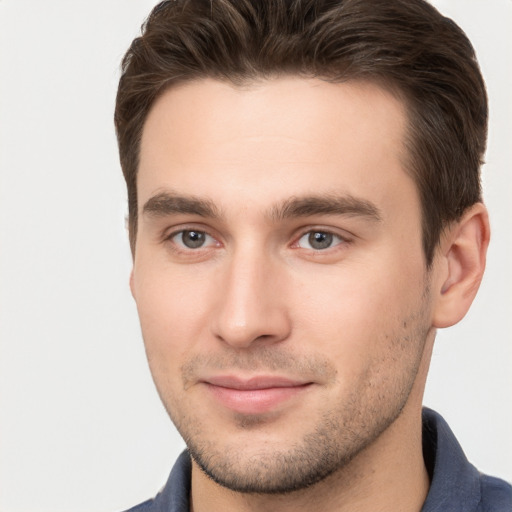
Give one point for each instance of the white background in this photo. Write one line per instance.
(81, 427)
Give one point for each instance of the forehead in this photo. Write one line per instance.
(275, 138)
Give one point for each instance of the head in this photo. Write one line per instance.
(326, 150)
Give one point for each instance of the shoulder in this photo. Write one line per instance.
(496, 494)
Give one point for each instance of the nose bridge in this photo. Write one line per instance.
(249, 307)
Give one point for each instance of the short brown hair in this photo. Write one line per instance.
(405, 45)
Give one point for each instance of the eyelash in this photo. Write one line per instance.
(332, 238)
(181, 248)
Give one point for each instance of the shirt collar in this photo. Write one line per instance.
(455, 483)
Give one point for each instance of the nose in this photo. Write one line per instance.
(252, 305)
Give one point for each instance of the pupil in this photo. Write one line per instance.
(193, 239)
(319, 240)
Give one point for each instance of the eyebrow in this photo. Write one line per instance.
(346, 205)
(168, 203)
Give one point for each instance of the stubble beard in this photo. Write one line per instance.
(339, 435)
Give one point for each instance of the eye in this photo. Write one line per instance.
(319, 240)
(192, 239)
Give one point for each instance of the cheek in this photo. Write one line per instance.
(173, 318)
(355, 316)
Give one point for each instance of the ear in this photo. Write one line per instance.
(461, 260)
(132, 287)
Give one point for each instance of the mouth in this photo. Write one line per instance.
(255, 395)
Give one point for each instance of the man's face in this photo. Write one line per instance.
(279, 274)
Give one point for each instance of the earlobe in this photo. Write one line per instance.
(462, 255)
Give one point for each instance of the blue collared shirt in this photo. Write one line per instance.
(456, 485)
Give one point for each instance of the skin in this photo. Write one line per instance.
(234, 290)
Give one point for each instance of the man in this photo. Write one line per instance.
(305, 211)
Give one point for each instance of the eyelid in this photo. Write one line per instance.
(171, 231)
(338, 232)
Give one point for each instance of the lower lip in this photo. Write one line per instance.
(255, 401)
